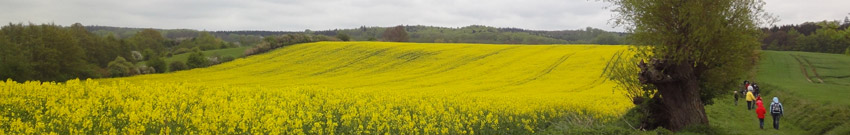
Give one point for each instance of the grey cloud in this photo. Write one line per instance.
(799, 11)
(296, 15)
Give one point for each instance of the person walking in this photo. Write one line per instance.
(750, 99)
(760, 112)
(744, 92)
(756, 89)
(776, 110)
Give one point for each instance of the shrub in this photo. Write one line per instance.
(143, 69)
(396, 34)
(197, 60)
(158, 64)
(250, 51)
(181, 51)
(317, 38)
(343, 37)
(120, 67)
(227, 58)
(137, 56)
(178, 65)
(213, 60)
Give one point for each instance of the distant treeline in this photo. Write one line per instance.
(824, 36)
(485, 34)
(50, 52)
(242, 38)
(416, 33)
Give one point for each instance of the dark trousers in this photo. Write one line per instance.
(775, 120)
(761, 123)
(749, 105)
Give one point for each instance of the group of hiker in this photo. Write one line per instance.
(751, 92)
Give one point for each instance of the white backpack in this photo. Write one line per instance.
(776, 108)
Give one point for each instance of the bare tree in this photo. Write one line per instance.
(396, 34)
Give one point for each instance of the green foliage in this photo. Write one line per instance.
(148, 39)
(147, 54)
(44, 52)
(136, 56)
(718, 38)
(606, 39)
(204, 41)
(98, 50)
(229, 52)
(824, 36)
(238, 38)
(827, 39)
(697, 50)
(121, 67)
(15, 62)
(181, 51)
(243, 40)
(197, 60)
(157, 63)
(177, 66)
(316, 38)
(621, 69)
(50, 52)
(343, 37)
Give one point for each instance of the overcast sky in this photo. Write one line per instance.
(298, 15)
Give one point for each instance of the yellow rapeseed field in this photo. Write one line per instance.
(334, 88)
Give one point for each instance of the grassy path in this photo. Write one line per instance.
(817, 106)
(731, 119)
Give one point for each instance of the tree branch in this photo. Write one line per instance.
(652, 72)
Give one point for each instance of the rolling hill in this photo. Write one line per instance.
(408, 88)
(818, 76)
(420, 66)
(341, 88)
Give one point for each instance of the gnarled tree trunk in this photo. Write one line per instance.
(680, 92)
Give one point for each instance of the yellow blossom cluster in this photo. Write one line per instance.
(334, 88)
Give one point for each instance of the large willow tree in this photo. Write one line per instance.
(694, 50)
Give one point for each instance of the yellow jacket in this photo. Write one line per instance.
(750, 96)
